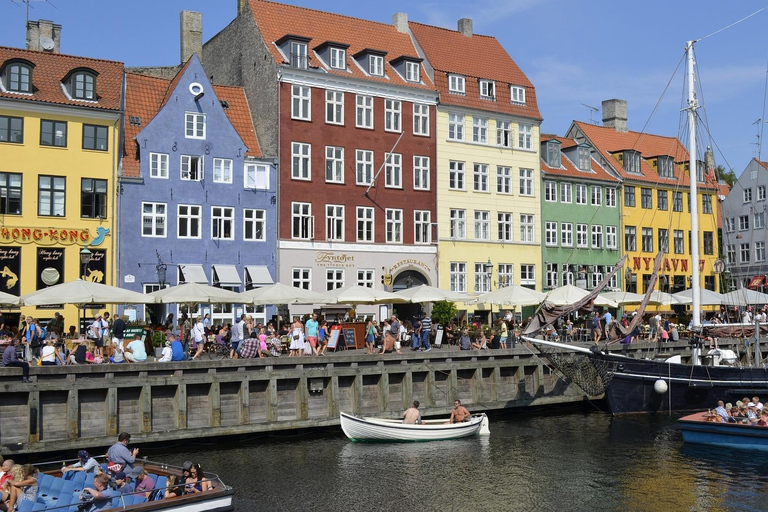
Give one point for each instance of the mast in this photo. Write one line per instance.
(693, 176)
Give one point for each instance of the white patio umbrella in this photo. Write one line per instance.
(623, 297)
(6, 299)
(84, 293)
(706, 297)
(426, 293)
(569, 294)
(195, 293)
(363, 295)
(512, 295)
(665, 299)
(744, 296)
(278, 294)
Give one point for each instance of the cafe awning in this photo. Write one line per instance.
(192, 274)
(756, 282)
(257, 275)
(226, 275)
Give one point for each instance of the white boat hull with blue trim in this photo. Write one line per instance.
(361, 428)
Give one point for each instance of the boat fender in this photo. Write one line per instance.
(484, 430)
(660, 386)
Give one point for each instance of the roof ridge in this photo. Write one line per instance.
(450, 30)
(68, 55)
(322, 12)
(644, 134)
(144, 75)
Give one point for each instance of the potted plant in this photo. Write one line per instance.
(158, 342)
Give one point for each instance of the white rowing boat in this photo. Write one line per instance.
(362, 428)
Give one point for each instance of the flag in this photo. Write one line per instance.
(711, 175)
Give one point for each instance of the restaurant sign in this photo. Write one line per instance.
(667, 265)
(334, 259)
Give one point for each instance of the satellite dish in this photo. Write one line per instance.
(46, 43)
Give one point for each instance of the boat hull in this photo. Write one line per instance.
(696, 430)
(631, 387)
(381, 430)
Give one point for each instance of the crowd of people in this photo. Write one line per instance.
(746, 411)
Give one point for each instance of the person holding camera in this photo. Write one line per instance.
(100, 495)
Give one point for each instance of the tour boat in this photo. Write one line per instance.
(697, 429)
(361, 428)
(62, 491)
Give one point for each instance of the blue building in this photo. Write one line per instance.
(196, 199)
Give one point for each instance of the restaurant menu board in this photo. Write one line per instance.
(333, 339)
(349, 337)
(10, 270)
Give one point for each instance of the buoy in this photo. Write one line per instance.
(660, 386)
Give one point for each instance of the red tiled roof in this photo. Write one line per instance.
(608, 141)
(568, 169)
(277, 20)
(449, 51)
(144, 98)
(51, 68)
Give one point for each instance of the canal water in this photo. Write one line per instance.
(531, 462)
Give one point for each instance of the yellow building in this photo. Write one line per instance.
(488, 169)
(59, 154)
(655, 202)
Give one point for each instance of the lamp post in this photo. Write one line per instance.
(85, 258)
(627, 279)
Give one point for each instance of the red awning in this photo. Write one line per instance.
(756, 282)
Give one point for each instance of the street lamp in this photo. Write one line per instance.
(85, 258)
(161, 270)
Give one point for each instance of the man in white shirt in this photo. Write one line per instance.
(237, 335)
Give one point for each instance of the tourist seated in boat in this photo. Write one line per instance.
(141, 480)
(173, 490)
(459, 414)
(412, 416)
(752, 413)
(758, 403)
(196, 481)
(120, 483)
(100, 492)
(5, 475)
(22, 486)
(84, 463)
(763, 419)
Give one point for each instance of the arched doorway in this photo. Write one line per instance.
(408, 279)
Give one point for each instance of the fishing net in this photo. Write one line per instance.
(591, 376)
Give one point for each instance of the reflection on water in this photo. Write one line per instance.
(529, 463)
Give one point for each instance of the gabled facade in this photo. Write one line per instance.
(744, 232)
(655, 201)
(488, 172)
(580, 215)
(196, 196)
(59, 140)
(348, 108)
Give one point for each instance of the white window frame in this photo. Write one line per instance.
(611, 237)
(480, 130)
(506, 273)
(455, 127)
(299, 57)
(597, 236)
(458, 223)
(412, 71)
(365, 277)
(334, 222)
(481, 178)
(503, 180)
(527, 228)
(759, 251)
(421, 172)
(394, 225)
(256, 176)
(550, 191)
(334, 278)
(421, 119)
(596, 196)
(219, 222)
(155, 216)
(334, 162)
(582, 236)
(363, 167)
(566, 192)
(456, 175)
(187, 217)
(301, 277)
(422, 227)
(364, 111)
(252, 218)
(158, 165)
(194, 125)
(334, 107)
(393, 115)
(550, 234)
(482, 225)
(581, 193)
(503, 133)
(302, 218)
(761, 192)
(517, 94)
(747, 193)
(185, 169)
(301, 102)
(504, 226)
(527, 274)
(552, 276)
(376, 65)
(456, 84)
(566, 234)
(301, 161)
(488, 89)
(366, 220)
(222, 170)
(525, 136)
(458, 276)
(526, 182)
(337, 58)
(610, 197)
(482, 278)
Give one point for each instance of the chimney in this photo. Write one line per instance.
(465, 26)
(43, 36)
(615, 115)
(191, 35)
(400, 21)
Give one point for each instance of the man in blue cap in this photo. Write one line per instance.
(84, 463)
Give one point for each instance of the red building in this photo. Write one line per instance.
(348, 109)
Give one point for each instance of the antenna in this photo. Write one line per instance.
(592, 111)
(27, 4)
(757, 143)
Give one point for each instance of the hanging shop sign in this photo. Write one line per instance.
(10, 270)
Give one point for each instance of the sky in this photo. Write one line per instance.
(577, 54)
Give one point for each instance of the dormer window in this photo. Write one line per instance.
(632, 161)
(18, 77)
(553, 154)
(665, 167)
(456, 84)
(584, 158)
(338, 58)
(517, 94)
(700, 171)
(412, 73)
(376, 65)
(487, 89)
(83, 86)
(298, 57)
